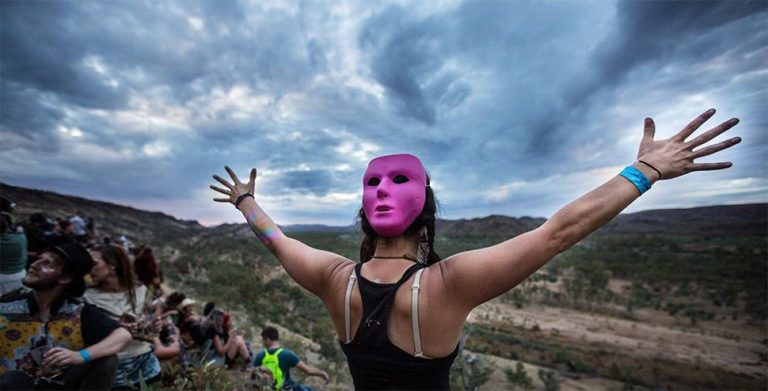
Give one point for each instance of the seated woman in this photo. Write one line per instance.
(227, 344)
(116, 292)
(168, 347)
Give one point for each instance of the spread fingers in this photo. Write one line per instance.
(232, 174)
(693, 125)
(712, 133)
(715, 148)
(223, 182)
(220, 190)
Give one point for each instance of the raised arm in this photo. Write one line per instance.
(475, 277)
(310, 267)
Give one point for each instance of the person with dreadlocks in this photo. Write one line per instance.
(117, 291)
(400, 338)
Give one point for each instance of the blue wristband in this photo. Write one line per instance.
(85, 355)
(637, 178)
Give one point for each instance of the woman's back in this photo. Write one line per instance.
(375, 362)
(440, 322)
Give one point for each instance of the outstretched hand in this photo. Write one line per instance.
(674, 156)
(236, 188)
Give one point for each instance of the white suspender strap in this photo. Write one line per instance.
(347, 297)
(415, 314)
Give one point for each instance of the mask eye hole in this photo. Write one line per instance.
(400, 179)
(374, 181)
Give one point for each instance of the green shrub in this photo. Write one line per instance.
(519, 377)
(470, 372)
(549, 378)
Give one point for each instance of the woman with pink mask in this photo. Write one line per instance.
(400, 311)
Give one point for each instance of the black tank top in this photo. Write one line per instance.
(377, 364)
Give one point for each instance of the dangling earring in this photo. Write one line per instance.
(424, 249)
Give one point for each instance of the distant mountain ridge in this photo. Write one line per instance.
(115, 220)
(727, 220)
(494, 225)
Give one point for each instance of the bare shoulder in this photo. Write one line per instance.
(438, 304)
(342, 270)
(338, 277)
(434, 285)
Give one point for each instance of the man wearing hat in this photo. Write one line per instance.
(49, 338)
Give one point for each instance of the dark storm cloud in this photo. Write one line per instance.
(406, 56)
(317, 182)
(27, 118)
(650, 31)
(555, 79)
(45, 45)
(142, 47)
(426, 65)
(39, 52)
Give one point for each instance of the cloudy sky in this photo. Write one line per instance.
(515, 107)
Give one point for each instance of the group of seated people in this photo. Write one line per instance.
(21, 243)
(92, 318)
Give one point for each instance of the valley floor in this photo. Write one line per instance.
(719, 353)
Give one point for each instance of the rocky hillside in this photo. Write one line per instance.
(111, 219)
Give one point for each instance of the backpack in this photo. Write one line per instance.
(272, 363)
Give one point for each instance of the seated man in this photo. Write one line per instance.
(277, 362)
(50, 338)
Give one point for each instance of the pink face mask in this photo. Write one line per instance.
(394, 191)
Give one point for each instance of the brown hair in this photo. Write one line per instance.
(116, 257)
